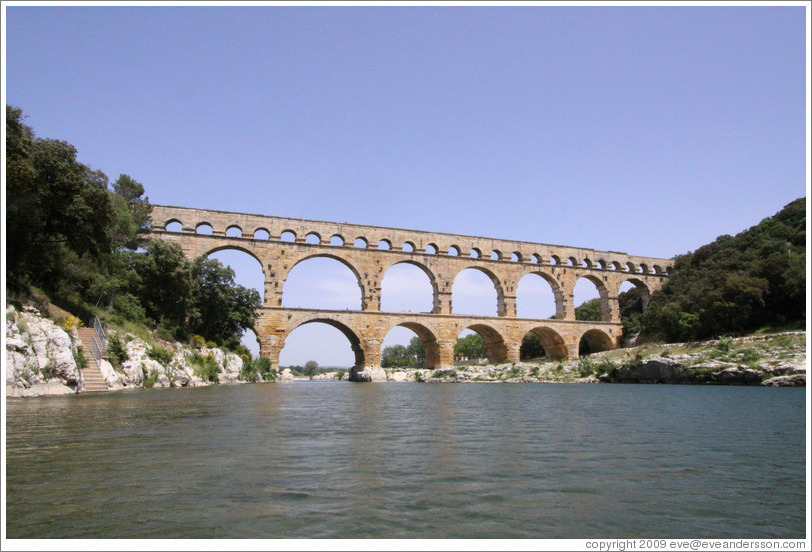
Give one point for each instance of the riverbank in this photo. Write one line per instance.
(44, 357)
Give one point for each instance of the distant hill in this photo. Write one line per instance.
(736, 284)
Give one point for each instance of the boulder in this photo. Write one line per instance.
(367, 374)
(795, 380)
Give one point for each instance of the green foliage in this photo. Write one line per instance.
(724, 343)
(116, 351)
(160, 354)
(149, 381)
(311, 368)
(254, 370)
(445, 373)
(399, 356)
(197, 341)
(205, 367)
(80, 358)
(631, 312)
(531, 347)
(736, 284)
(471, 346)
(589, 310)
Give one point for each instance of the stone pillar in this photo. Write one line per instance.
(270, 346)
(509, 307)
(572, 350)
(614, 309)
(444, 302)
(567, 300)
(371, 299)
(446, 350)
(372, 352)
(513, 349)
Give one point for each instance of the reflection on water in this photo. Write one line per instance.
(340, 460)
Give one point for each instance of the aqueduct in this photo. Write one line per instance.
(280, 243)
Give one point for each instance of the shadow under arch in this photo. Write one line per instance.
(344, 262)
(495, 343)
(427, 337)
(594, 341)
(355, 341)
(435, 291)
(553, 343)
(501, 309)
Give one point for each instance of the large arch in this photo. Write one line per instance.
(287, 289)
(497, 286)
(639, 286)
(354, 340)
(427, 337)
(411, 286)
(603, 294)
(595, 341)
(554, 346)
(495, 343)
(528, 290)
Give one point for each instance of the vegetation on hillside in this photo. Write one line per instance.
(76, 240)
(736, 284)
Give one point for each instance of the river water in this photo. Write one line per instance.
(409, 460)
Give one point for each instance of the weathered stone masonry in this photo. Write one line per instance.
(369, 251)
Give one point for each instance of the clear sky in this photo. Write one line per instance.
(645, 129)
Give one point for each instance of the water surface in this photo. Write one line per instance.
(402, 460)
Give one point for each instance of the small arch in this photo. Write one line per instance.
(454, 251)
(234, 231)
(601, 264)
(360, 243)
(587, 263)
(408, 247)
(657, 269)
(288, 236)
(516, 257)
(630, 267)
(336, 240)
(174, 226)
(475, 253)
(555, 260)
(572, 261)
(204, 228)
(262, 234)
(617, 266)
(431, 249)
(496, 255)
(644, 268)
(313, 238)
(384, 245)
(594, 341)
(535, 258)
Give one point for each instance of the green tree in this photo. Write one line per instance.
(531, 347)
(311, 368)
(589, 310)
(471, 346)
(222, 310)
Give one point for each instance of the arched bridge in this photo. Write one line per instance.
(280, 243)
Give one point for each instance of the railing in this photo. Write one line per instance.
(98, 343)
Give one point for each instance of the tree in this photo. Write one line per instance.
(531, 347)
(471, 346)
(311, 368)
(589, 310)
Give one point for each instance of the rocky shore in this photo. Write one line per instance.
(43, 358)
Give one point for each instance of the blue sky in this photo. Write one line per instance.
(644, 129)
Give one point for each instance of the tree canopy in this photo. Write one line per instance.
(736, 284)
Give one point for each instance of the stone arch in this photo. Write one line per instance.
(500, 294)
(287, 235)
(453, 251)
(260, 231)
(349, 333)
(258, 279)
(427, 337)
(476, 253)
(496, 255)
(313, 238)
(173, 221)
(345, 262)
(360, 242)
(385, 244)
(603, 293)
(558, 293)
(554, 346)
(337, 240)
(235, 228)
(617, 266)
(595, 341)
(640, 286)
(495, 343)
(435, 292)
(200, 228)
(408, 247)
(431, 249)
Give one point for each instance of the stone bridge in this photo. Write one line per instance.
(280, 243)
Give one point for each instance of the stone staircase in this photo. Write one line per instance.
(92, 376)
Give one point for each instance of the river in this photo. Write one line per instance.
(409, 460)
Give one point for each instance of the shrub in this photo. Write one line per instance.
(160, 355)
(444, 373)
(197, 341)
(117, 352)
(71, 323)
(80, 358)
(149, 382)
(205, 367)
(724, 344)
(586, 367)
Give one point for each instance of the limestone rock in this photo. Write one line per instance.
(286, 376)
(367, 374)
(795, 380)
